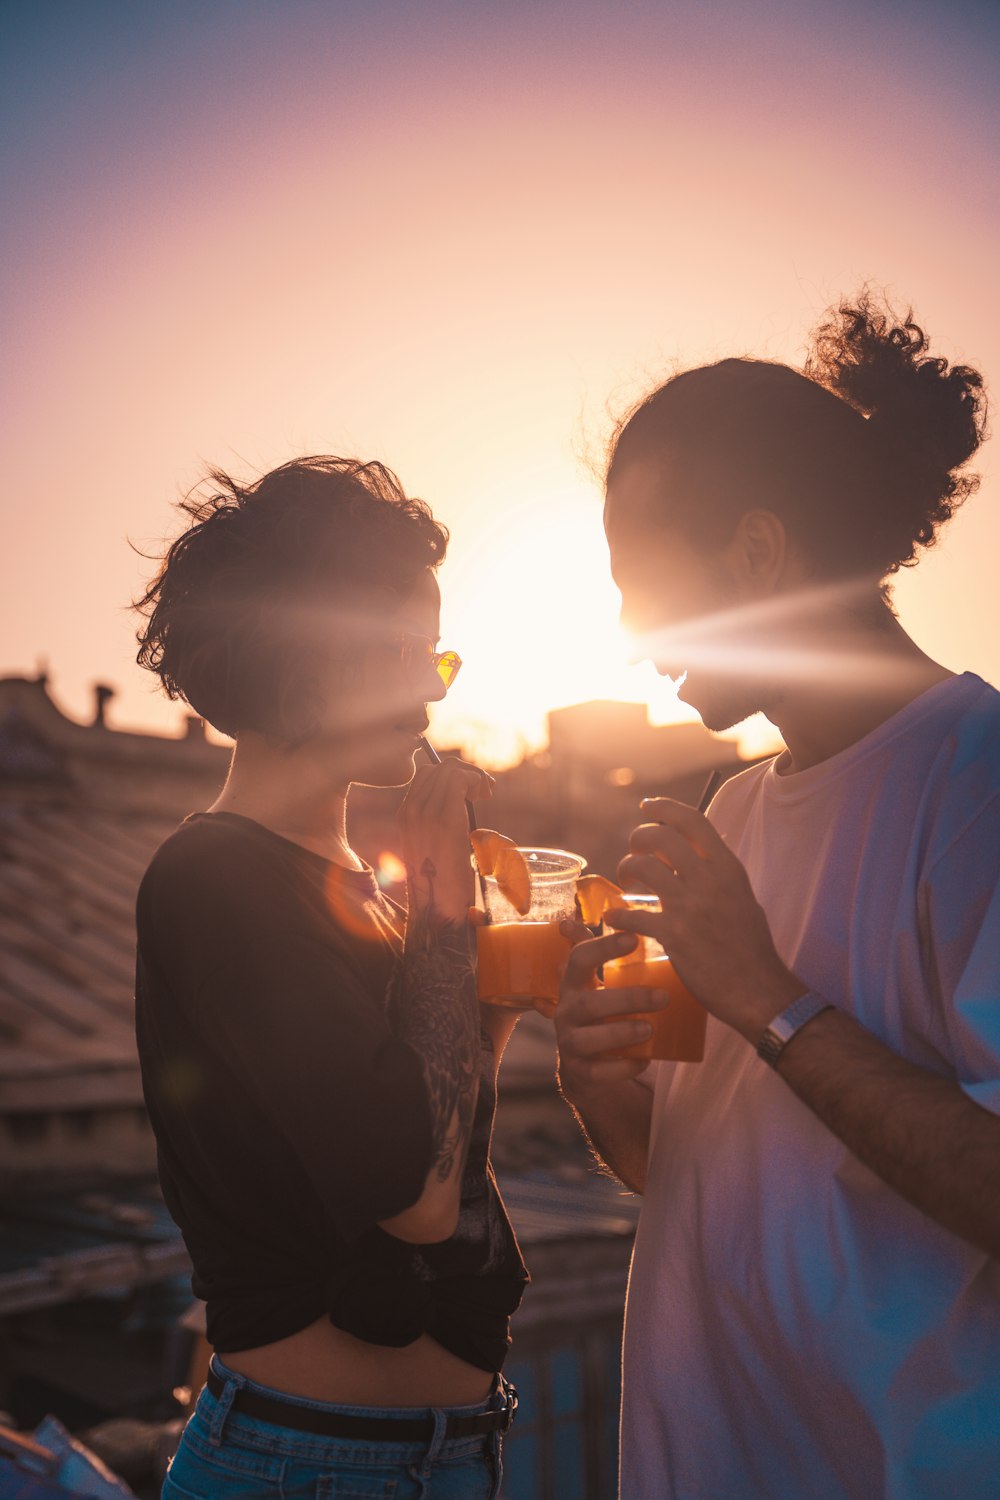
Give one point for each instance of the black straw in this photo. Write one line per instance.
(435, 760)
(711, 787)
(429, 751)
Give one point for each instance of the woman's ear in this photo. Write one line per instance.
(302, 707)
(757, 553)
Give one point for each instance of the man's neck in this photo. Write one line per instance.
(874, 671)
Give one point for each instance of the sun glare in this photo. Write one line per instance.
(533, 610)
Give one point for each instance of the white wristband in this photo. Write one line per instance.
(784, 1025)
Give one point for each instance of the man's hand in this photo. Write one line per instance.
(434, 831)
(710, 924)
(613, 1109)
(586, 1024)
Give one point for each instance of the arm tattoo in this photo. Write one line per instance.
(433, 1006)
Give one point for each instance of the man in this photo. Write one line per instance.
(814, 1303)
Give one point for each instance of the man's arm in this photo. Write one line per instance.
(616, 1121)
(920, 1133)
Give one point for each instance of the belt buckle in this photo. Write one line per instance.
(509, 1392)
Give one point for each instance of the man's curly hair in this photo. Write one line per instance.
(862, 453)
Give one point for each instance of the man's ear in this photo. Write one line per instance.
(757, 553)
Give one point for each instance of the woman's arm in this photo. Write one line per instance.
(434, 1005)
(434, 1009)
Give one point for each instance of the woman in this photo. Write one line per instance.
(320, 1087)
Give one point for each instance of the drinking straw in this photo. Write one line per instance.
(435, 760)
(429, 751)
(710, 789)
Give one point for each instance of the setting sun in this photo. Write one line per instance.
(468, 273)
(531, 607)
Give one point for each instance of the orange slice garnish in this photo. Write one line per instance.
(597, 895)
(499, 856)
(486, 845)
(513, 879)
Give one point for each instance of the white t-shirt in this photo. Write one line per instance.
(795, 1330)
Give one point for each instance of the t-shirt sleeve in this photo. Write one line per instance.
(962, 925)
(283, 1015)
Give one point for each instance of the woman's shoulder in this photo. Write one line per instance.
(212, 860)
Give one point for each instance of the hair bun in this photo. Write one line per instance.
(927, 417)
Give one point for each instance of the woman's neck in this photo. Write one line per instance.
(293, 794)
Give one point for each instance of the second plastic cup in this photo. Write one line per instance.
(520, 955)
(679, 1029)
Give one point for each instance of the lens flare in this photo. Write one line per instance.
(390, 869)
(790, 638)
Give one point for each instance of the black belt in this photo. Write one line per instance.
(372, 1429)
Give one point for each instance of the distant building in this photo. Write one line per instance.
(614, 744)
(82, 807)
(583, 792)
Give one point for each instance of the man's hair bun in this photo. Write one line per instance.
(861, 454)
(926, 417)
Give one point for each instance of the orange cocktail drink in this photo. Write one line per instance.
(679, 1030)
(520, 961)
(520, 954)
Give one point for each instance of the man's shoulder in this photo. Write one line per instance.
(967, 773)
(974, 736)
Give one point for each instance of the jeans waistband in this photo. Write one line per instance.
(234, 1393)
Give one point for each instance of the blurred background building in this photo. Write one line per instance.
(93, 1275)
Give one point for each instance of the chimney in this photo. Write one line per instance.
(102, 697)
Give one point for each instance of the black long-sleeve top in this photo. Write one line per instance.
(289, 1120)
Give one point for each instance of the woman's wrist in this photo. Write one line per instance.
(428, 925)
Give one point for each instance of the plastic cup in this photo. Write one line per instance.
(679, 1029)
(519, 956)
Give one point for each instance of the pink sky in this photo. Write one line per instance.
(455, 241)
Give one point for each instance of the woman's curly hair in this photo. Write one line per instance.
(859, 454)
(236, 604)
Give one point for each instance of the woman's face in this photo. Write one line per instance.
(378, 710)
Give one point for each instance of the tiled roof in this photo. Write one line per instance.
(68, 878)
(57, 1247)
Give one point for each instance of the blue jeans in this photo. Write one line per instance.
(226, 1455)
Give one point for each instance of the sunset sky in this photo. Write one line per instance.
(459, 238)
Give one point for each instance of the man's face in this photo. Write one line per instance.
(681, 603)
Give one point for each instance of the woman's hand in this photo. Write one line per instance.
(434, 829)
